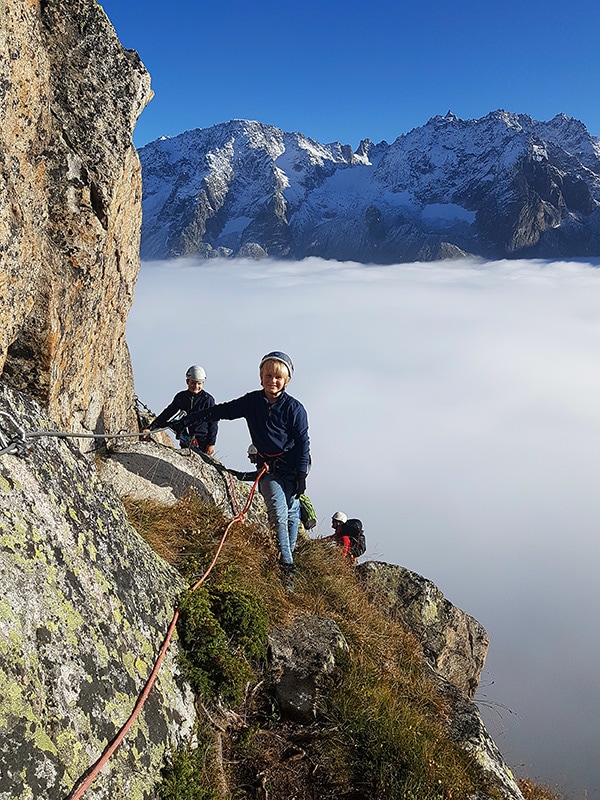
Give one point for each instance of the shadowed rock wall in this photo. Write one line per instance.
(70, 209)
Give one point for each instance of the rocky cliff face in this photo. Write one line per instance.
(501, 186)
(70, 197)
(85, 607)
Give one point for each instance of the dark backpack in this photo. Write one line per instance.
(353, 528)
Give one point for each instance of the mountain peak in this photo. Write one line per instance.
(499, 186)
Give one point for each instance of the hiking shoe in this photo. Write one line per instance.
(287, 576)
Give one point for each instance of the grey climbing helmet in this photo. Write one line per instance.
(277, 355)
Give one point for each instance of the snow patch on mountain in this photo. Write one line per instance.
(445, 214)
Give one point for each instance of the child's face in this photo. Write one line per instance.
(195, 387)
(273, 379)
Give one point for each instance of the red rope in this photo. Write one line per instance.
(85, 782)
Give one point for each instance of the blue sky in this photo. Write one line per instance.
(347, 71)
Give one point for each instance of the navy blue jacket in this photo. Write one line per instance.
(278, 430)
(204, 432)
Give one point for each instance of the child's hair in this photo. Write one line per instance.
(279, 368)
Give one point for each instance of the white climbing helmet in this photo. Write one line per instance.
(339, 516)
(195, 373)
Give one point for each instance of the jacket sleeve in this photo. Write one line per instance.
(167, 413)
(234, 409)
(301, 440)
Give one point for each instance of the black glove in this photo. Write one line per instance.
(300, 484)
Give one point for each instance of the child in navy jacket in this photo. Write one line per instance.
(194, 398)
(278, 426)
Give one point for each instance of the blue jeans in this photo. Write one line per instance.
(283, 509)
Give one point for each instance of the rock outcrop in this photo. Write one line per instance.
(150, 470)
(70, 209)
(467, 729)
(84, 610)
(302, 655)
(454, 643)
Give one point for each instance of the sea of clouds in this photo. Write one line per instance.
(455, 408)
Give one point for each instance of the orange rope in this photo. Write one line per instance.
(86, 781)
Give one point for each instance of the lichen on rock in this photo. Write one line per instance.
(454, 643)
(86, 604)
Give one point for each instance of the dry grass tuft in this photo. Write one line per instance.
(171, 530)
(187, 534)
(534, 791)
(328, 585)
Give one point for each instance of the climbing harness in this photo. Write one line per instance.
(85, 782)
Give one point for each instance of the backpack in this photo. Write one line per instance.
(307, 512)
(358, 543)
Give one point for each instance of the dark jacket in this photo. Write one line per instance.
(278, 430)
(205, 432)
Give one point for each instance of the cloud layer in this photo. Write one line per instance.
(454, 409)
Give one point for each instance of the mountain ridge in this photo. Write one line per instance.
(504, 185)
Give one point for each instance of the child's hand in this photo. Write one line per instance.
(300, 484)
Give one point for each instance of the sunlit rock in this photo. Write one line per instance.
(505, 185)
(454, 643)
(70, 209)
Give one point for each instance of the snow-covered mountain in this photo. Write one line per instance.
(501, 186)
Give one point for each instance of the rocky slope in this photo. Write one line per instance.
(501, 186)
(86, 604)
(70, 209)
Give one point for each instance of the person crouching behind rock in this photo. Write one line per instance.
(338, 520)
(203, 435)
(278, 426)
